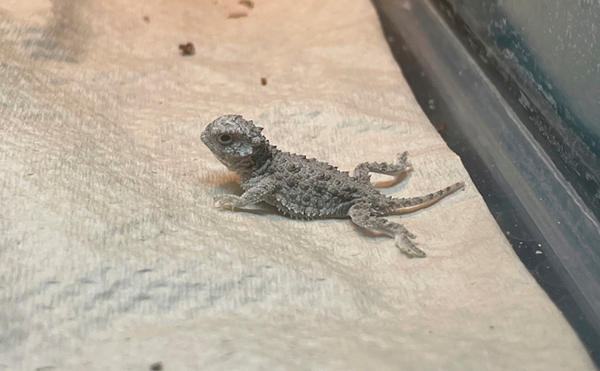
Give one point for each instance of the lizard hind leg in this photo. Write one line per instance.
(361, 215)
(398, 169)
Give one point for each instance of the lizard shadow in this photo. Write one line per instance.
(232, 186)
(364, 232)
(390, 185)
(393, 183)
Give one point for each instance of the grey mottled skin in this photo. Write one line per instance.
(305, 188)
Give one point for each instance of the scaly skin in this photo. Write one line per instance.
(305, 188)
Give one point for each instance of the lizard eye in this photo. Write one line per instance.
(225, 139)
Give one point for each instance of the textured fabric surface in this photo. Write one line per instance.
(113, 258)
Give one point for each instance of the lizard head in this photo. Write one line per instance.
(234, 141)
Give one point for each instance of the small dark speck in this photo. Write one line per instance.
(263, 81)
(441, 127)
(157, 366)
(146, 19)
(247, 3)
(431, 332)
(30, 174)
(187, 49)
(491, 327)
(235, 15)
(145, 270)
(314, 114)
(142, 297)
(320, 279)
(52, 282)
(45, 368)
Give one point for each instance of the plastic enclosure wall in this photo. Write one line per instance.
(511, 133)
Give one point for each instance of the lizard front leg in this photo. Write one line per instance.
(253, 195)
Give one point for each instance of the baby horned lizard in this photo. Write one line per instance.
(305, 188)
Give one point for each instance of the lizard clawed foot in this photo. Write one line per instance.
(225, 202)
(402, 159)
(408, 247)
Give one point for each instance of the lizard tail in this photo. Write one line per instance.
(410, 204)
